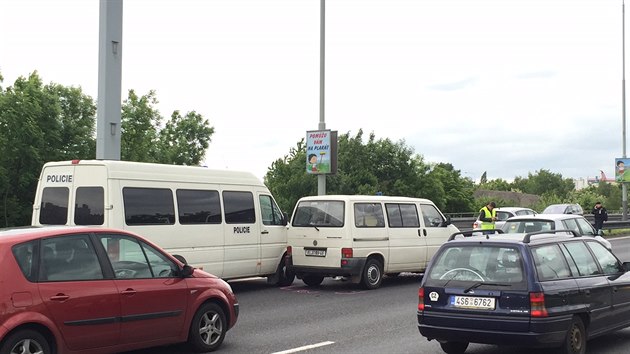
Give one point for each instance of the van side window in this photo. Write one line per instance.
(431, 216)
(368, 215)
(270, 212)
(198, 206)
(54, 207)
(402, 215)
(89, 206)
(148, 206)
(239, 207)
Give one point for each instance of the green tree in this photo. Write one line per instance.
(460, 189)
(39, 123)
(545, 182)
(376, 166)
(182, 141)
(497, 185)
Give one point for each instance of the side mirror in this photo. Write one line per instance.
(626, 266)
(285, 219)
(600, 232)
(180, 258)
(446, 222)
(187, 271)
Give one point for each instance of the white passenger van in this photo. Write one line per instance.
(363, 237)
(224, 222)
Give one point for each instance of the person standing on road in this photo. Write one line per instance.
(600, 214)
(487, 216)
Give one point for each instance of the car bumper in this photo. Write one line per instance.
(353, 267)
(543, 332)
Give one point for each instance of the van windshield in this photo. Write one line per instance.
(319, 213)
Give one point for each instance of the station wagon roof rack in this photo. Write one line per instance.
(469, 233)
(528, 236)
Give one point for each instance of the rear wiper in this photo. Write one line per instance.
(478, 284)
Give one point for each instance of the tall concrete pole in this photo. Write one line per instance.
(624, 185)
(109, 80)
(321, 179)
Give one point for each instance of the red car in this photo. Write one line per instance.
(95, 290)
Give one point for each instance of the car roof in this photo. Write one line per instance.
(23, 234)
(546, 217)
(533, 238)
(513, 208)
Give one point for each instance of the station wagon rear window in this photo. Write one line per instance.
(479, 264)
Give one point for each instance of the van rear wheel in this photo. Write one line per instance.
(372, 276)
(313, 280)
(285, 277)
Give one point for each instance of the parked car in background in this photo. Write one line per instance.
(87, 289)
(534, 290)
(504, 214)
(564, 209)
(550, 222)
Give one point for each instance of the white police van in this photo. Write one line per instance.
(225, 222)
(363, 237)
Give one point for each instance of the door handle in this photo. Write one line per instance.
(59, 297)
(419, 234)
(128, 292)
(264, 232)
(587, 292)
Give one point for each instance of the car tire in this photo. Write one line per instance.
(454, 347)
(16, 342)
(575, 343)
(313, 280)
(285, 278)
(208, 328)
(372, 276)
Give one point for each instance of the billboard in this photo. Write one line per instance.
(321, 152)
(622, 170)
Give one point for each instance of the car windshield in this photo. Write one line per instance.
(319, 213)
(472, 264)
(525, 226)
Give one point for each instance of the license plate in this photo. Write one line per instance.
(473, 302)
(315, 253)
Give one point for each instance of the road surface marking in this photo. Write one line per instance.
(306, 347)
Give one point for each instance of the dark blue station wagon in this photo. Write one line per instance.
(533, 290)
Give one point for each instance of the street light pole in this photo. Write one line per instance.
(624, 185)
(321, 179)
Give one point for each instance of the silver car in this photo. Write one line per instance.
(505, 213)
(546, 222)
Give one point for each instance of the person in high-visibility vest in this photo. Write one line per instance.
(487, 216)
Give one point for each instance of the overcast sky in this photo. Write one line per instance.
(507, 87)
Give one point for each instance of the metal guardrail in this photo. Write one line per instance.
(614, 222)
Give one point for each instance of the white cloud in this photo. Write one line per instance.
(507, 87)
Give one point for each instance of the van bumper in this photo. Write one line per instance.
(353, 267)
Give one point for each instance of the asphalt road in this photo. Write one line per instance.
(338, 317)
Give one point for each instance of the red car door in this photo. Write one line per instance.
(153, 298)
(84, 306)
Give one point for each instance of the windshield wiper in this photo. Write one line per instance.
(478, 284)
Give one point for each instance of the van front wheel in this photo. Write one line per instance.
(372, 274)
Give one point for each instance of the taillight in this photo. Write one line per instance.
(75, 162)
(537, 305)
(289, 251)
(421, 299)
(346, 253)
